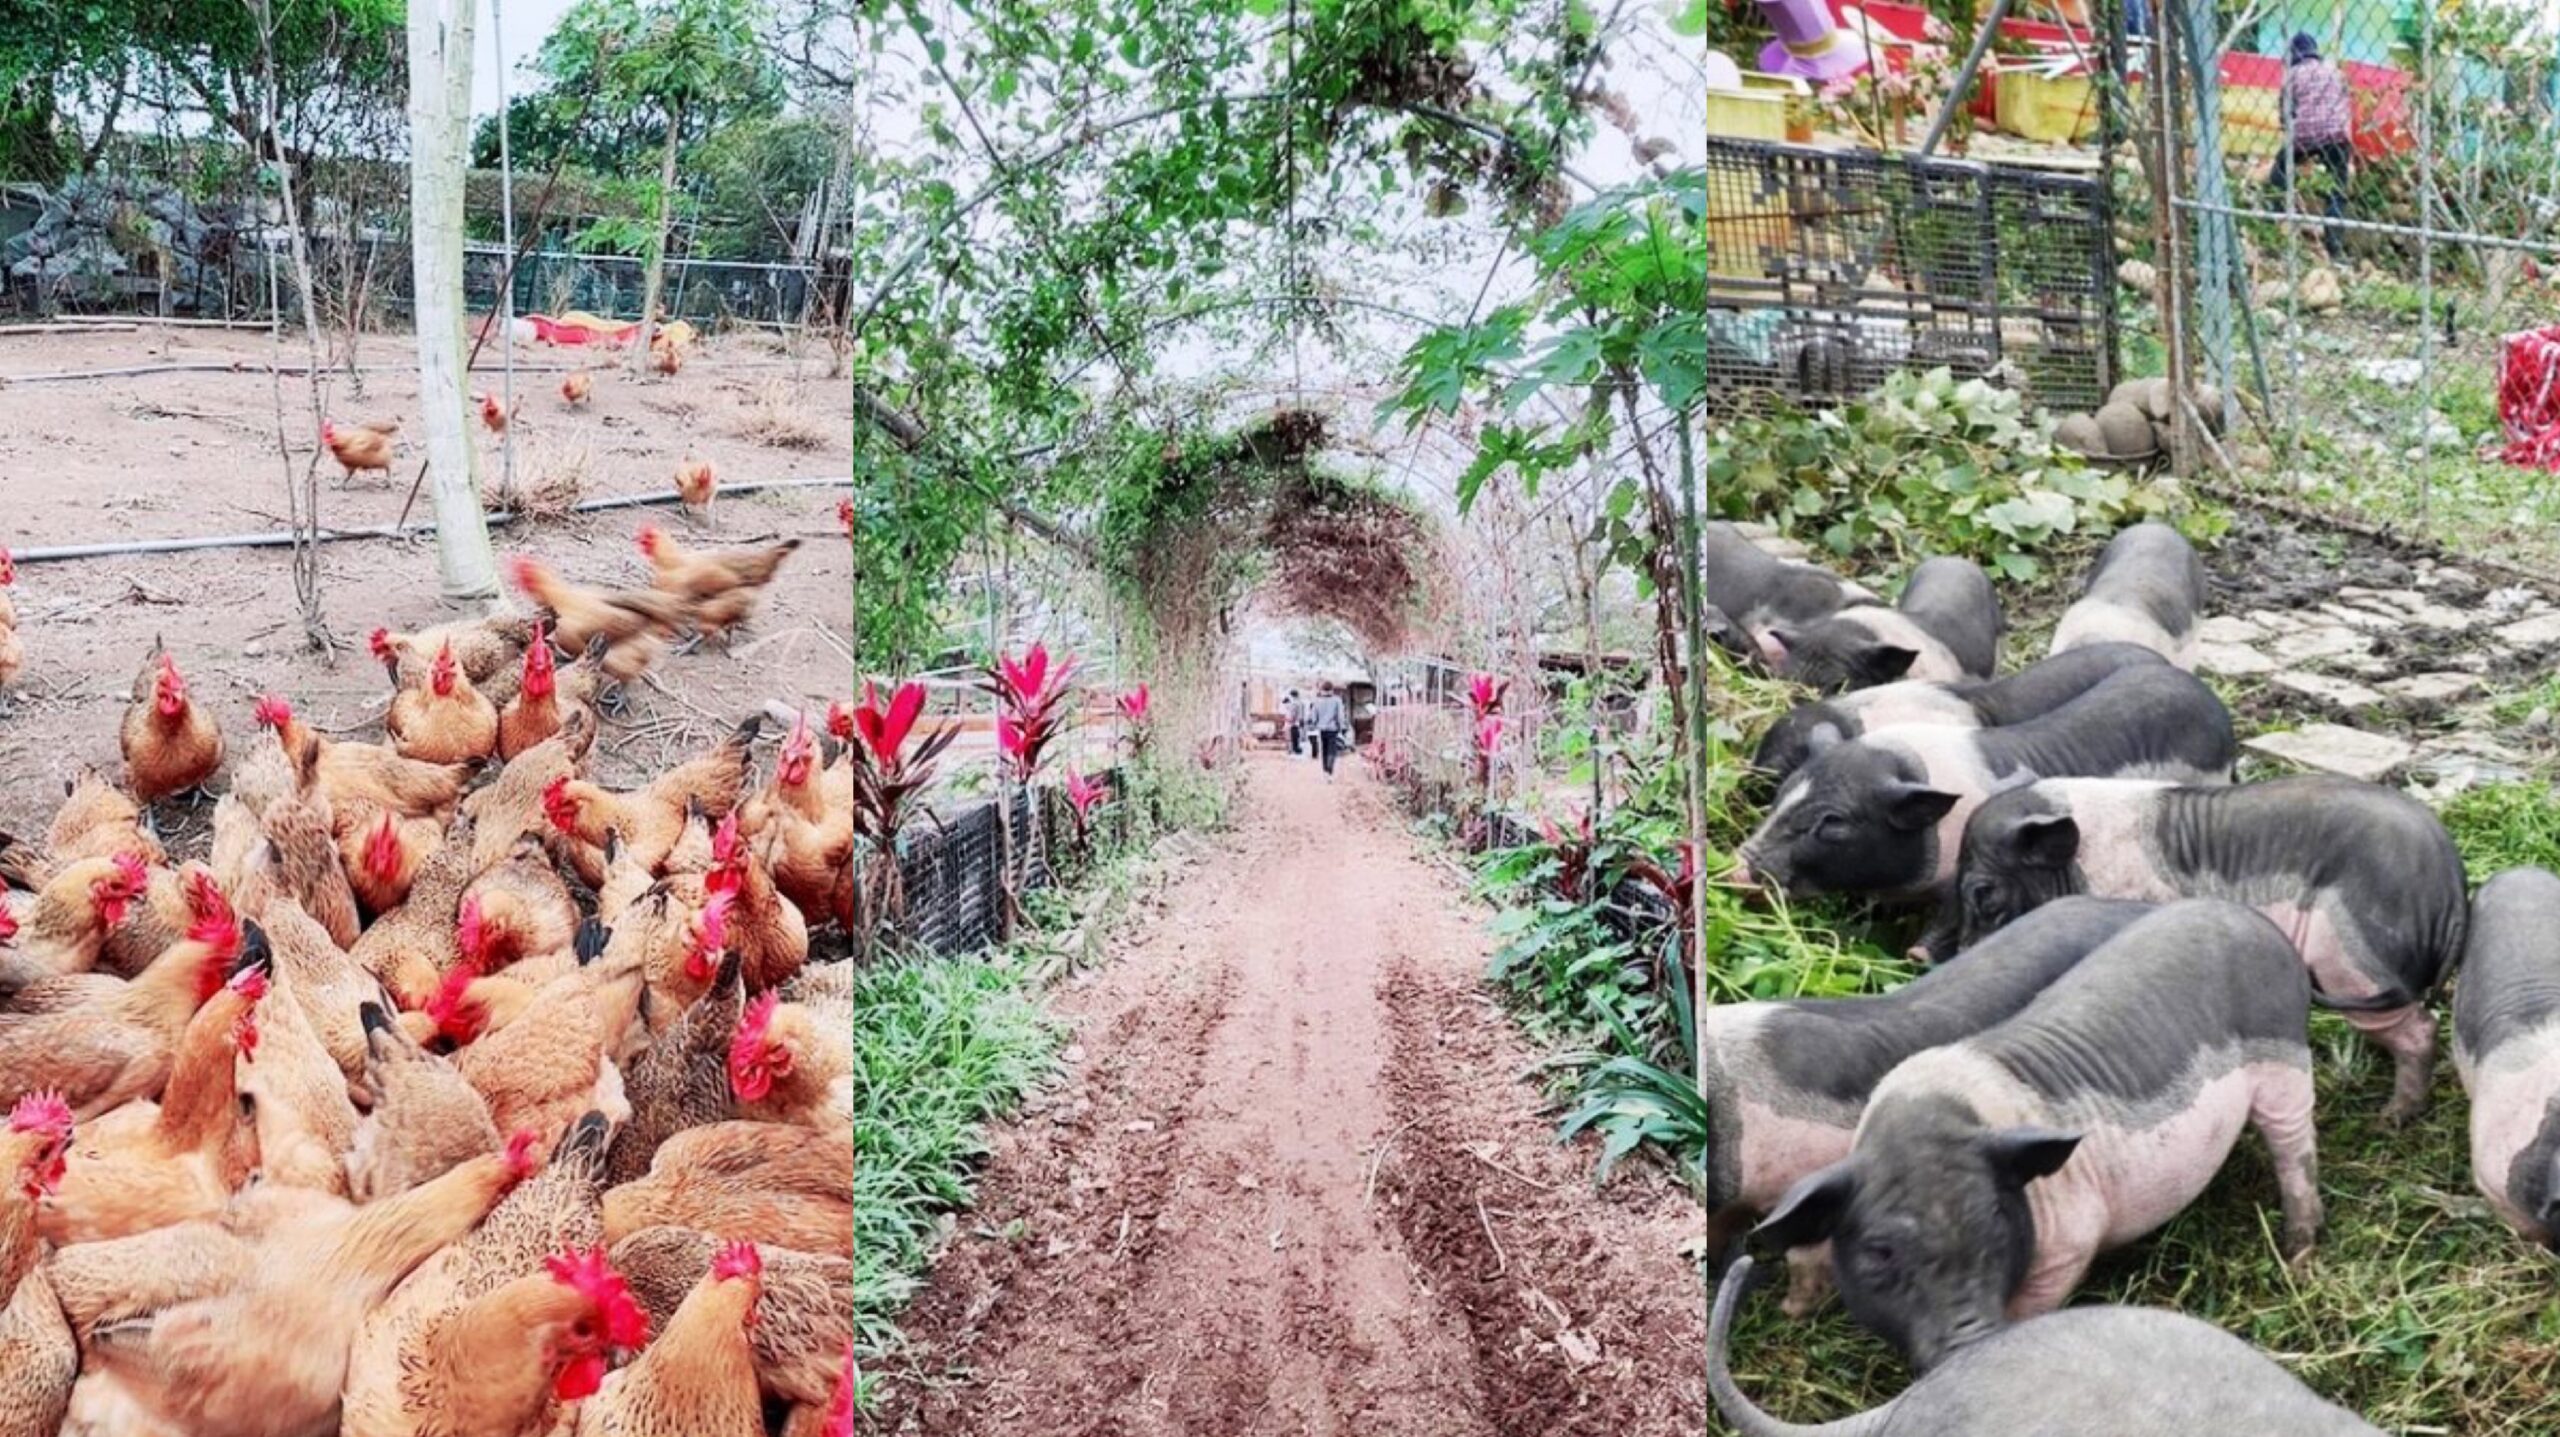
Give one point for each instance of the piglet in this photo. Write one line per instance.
(1749, 590)
(1787, 1079)
(1946, 627)
(2148, 589)
(2506, 1045)
(1988, 1173)
(1883, 814)
(2362, 879)
(2085, 1372)
(2032, 692)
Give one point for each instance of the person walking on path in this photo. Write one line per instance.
(2322, 123)
(1331, 722)
(1297, 713)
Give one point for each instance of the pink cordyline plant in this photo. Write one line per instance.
(1573, 851)
(887, 773)
(1485, 695)
(1133, 709)
(1488, 741)
(1084, 795)
(1031, 708)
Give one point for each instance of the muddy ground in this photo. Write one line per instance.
(1294, 1184)
(183, 454)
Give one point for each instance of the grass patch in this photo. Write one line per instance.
(2505, 825)
(775, 418)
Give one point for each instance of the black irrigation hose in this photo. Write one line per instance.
(279, 538)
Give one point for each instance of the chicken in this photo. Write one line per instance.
(764, 925)
(444, 720)
(105, 1053)
(650, 820)
(763, 1182)
(681, 949)
(96, 820)
(844, 516)
(575, 386)
(292, 859)
(698, 1379)
(313, 1061)
(806, 816)
(382, 853)
(556, 1059)
(669, 358)
(581, 615)
(425, 1117)
(477, 1341)
(516, 910)
(358, 447)
(410, 947)
(488, 649)
(697, 484)
(510, 807)
(681, 1080)
(65, 929)
(358, 776)
(170, 743)
(494, 415)
(720, 587)
(270, 1358)
(13, 652)
(802, 1324)
(793, 1062)
(542, 699)
(8, 581)
(101, 1283)
(154, 1164)
(38, 1357)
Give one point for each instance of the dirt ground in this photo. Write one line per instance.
(1294, 1185)
(183, 454)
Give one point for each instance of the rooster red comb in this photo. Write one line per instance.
(8, 567)
(558, 806)
(451, 1016)
(8, 920)
(471, 932)
(274, 711)
(650, 537)
(133, 878)
(591, 1275)
(724, 840)
(737, 1259)
(519, 1156)
(749, 1074)
(43, 1112)
(380, 642)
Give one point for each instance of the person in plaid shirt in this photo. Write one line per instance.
(2315, 103)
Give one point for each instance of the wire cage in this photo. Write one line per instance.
(953, 872)
(1830, 269)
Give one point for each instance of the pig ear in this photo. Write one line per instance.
(1889, 662)
(1912, 807)
(1809, 1211)
(1773, 646)
(2019, 1156)
(2049, 841)
(1820, 737)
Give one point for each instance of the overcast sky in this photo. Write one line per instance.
(527, 21)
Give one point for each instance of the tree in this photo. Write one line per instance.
(439, 128)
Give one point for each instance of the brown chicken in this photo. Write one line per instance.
(669, 358)
(153, 1164)
(494, 415)
(13, 652)
(763, 924)
(313, 1060)
(697, 484)
(581, 615)
(312, 1285)
(802, 1324)
(509, 808)
(109, 1052)
(649, 820)
(425, 1116)
(556, 1059)
(681, 1080)
(170, 743)
(575, 386)
(793, 1062)
(358, 447)
(763, 1182)
(720, 587)
(544, 698)
(65, 929)
(489, 650)
(481, 1339)
(96, 820)
(38, 1357)
(359, 776)
(698, 1378)
(806, 816)
(382, 853)
(409, 947)
(517, 910)
(289, 856)
(445, 719)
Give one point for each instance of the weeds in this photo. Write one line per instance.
(775, 418)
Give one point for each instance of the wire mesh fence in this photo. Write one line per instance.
(2363, 193)
(1829, 269)
(953, 873)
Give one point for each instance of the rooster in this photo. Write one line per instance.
(358, 447)
(38, 1357)
(541, 704)
(698, 1379)
(769, 930)
(13, 653)
(804, 1318)
(575, 386)
(793, 1062)
(719, 587)
(170, 743)
(697, 484)
(446, 719)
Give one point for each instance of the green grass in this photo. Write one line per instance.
(2505, 825)
(944, 1047)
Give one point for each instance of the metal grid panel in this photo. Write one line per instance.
(954, 891)
(1830, 269)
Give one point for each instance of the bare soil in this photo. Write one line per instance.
(185, 454)
(1295, 1184)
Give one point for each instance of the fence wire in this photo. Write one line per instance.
(953, 872)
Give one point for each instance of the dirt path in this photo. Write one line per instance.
(1198, 1233)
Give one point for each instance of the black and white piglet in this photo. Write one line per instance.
(1946, 627)
(1750, 590)
(1989, 1172)
(2031, 692)
(2148, 589)
(2506, 1044)
(2362, 879)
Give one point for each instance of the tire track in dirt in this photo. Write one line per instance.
(1243, 1216)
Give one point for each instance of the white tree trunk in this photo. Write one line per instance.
(439, 127)
(657, 269)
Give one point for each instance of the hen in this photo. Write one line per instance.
(410, 947)
(649, 820)
(517, 909)
(543, 699)
(762, 1182)
(802, 1324)
(575, 386)
(358, 447)
(38, 1357)
(65, 928)
(681, 1080)
(488, 650)
(805, 820)
(170, 743)
(382, 853)
(698, 1379)
(288, 854)
(556, 1059)
(510, 807)
(96, 820)
(764, 925)
(793, 1062)
(358, 776)
(720, 587)
(445, 719)
(581, 615)
(425, 1117)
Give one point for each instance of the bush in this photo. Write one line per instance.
(1930, 464)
